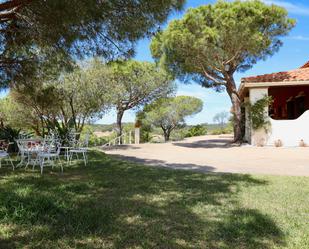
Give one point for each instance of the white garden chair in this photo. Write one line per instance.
(4, 155)
(70, 143)
(23, 151)
(49, 154)
(81, 148)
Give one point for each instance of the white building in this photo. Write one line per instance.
(289, 113)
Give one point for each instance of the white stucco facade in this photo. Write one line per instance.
(256, 137)
(290, 133)
(288, 114)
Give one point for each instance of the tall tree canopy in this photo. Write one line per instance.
(212, 42)
(77, 97)
(137, 83)
(36, 31)
(170, 113)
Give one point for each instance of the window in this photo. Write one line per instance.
(300, 104)
(291, 109)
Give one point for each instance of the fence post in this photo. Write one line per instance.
(137, 136)
(130, 137)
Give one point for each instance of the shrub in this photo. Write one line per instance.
(226, 130)
(258, 117)
(178, 134)
(145, 133)
(10, 134)
(197, 130)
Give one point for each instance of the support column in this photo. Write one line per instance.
(258, 137)
(247, 122)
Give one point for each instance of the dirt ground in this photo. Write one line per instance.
(217, 154)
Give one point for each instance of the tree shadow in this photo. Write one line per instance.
(120, 147)
(209, 144)
(164, 164)
(244, 228)
(119, 204)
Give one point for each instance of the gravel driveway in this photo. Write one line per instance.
(216, 154)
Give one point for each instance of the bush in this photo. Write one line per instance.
(10, 134)
(178, 134)
(226, 130)
(94, 140)
(197, 130)
(156, 139)
(145, 133)
(259, 118)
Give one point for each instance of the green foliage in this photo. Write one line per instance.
(10, 134)
(221, 131)
(259, 118)
(146, 128)
(196, 130)
(39, 33)
(134, 84)
(212, 42)
(178, 134)
(145, 133)
(62, 131)
(97, 141)
(12, 114)
(170, 113)
(212, 36)
(74, 99)
(137, 83)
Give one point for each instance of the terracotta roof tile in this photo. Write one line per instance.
(306, 65)
(301, 74)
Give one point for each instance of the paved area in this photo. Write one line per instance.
(217, 154)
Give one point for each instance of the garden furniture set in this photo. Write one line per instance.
(46, 151)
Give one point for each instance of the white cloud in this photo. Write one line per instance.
(291, 7)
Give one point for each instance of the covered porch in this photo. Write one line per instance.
(289, 112)
(289, 102)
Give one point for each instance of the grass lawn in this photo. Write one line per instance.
(117, 204)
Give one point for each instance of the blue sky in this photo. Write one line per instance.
(293, 54)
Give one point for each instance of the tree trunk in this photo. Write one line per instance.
(236, 109)
(119, 123)
(238, 136)
(166, 135)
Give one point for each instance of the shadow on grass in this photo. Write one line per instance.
(118, 204)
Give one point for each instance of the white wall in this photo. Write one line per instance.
(257, 137)
(257, 93)
(290, 132)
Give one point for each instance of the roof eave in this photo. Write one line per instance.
(245, 85)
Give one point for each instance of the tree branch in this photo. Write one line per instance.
(215, 78)
(8, 5)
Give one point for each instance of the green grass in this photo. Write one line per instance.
(117, 204)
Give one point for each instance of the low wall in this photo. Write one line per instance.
(290, 132)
